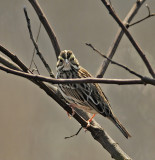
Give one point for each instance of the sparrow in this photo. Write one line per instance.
(86, 96)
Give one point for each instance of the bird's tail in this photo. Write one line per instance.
(119, 126)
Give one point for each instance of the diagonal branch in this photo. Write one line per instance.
(47, 26)
(116, 63)
(14, 58)
(138, 49)
(33, 54)
(8, 63)
(118, 37)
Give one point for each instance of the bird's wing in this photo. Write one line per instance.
(94, 94)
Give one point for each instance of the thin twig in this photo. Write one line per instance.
(141, 20)
(136, 46)
(118, 37)
(75, 133)
(32, 59)
(36, 46)
(148, 8)
(36, 68)
(113, 62)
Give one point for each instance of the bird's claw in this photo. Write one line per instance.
(88, 124)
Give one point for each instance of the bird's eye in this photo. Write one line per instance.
(72, 59)
(61, 60)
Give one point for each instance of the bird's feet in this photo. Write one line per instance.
(89, 121)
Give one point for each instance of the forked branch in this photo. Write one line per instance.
(114, 62)
(141, 20)
(136, 46)
(112, 49)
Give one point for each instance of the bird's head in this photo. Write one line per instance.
(67, 61)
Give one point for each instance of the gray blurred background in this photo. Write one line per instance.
(32, 125)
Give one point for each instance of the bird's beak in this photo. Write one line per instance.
(66, 62)
(67, 65)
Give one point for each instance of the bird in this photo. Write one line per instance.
(88, 97)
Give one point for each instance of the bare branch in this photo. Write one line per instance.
(118, 37)
(14, 58)
(8, 63)
(141, 20)
(145, 80)
(148, 8)
(47, 26)
(113, 62)
(36, 46)
(138, 49)
(36, 69)
(32, 60)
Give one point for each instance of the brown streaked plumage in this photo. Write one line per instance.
(87, 96)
